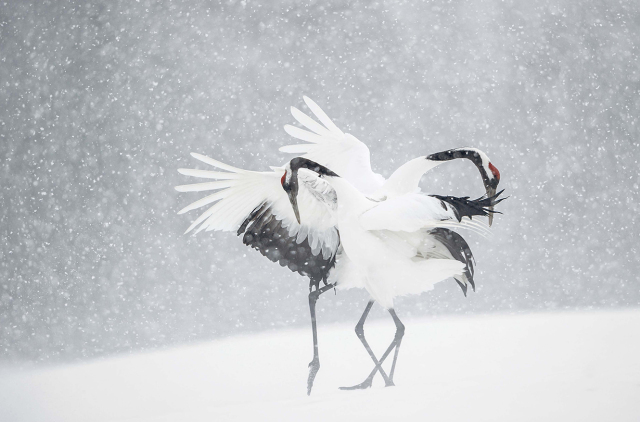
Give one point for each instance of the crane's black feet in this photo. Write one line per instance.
(314, 367)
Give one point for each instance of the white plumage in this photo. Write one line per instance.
(395, 225)
(385, 241)
(242, 191)
(239, 191)
(391, 246)
(350, 158)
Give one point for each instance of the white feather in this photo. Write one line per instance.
(205, 201)
(393, 243)
(342, 153)
(321, 115)
(199, 187)
(242, 191)
(206, 174)
(302, 134)
(302, 234)
(409, 213)
(295, 149)
(216, 163)
(309, 123)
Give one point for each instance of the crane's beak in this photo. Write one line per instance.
(291, 187)
(476, 156)
(293, 198)
(290, 183)
(491, 191)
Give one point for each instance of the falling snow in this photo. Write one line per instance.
(101, 102)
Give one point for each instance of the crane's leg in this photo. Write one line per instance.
(397, 339)
(360, 333)
(394, 344)
(314, 365)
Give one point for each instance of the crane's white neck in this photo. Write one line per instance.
(406, 179)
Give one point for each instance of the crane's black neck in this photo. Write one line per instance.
(299, 163)
(470, 154)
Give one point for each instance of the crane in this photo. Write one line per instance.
(254, 205)
(392, 247)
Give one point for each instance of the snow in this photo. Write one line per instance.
(102, 101)
(580, 366)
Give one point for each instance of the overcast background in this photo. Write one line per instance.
(101, 102)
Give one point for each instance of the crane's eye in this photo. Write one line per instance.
(495, 171)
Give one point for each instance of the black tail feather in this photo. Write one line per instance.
(460, 251)
(464, 207)
(462, 286)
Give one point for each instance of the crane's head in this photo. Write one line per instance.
(489, 172)
(290, 183)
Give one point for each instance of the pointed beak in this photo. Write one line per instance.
(491, 191)
(491, 188)
(293, 198)
(291, 187)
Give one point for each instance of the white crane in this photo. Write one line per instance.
(341, 152)
(254, 205)
(394, 247)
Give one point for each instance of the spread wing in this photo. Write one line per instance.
(407, 213)
(412, 212)
(326, 144)
(255, 206)
(412, 225)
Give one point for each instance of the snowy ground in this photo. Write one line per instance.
(551, 367)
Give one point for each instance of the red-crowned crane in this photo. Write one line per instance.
(254, 205)
(391, 248)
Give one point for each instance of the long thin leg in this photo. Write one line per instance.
(397, 340)
(360, 333)
(314, 365)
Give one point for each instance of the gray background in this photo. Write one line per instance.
(101, 102)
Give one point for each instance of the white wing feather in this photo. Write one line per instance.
(329, 146)
(408, 213)
(241, 191)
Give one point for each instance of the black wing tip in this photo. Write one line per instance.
(463, 286)
(460, 251)
(488, 201)
(464, 207)
(473, 283)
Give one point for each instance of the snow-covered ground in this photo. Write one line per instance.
(582, 366)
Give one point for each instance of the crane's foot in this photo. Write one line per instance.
(367, 384)
(361, 386)
(364, 384)
(314, 367)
